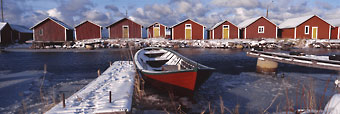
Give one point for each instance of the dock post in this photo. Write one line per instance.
(266, 66)
(110, 96)
(63, 97)
(98, 72)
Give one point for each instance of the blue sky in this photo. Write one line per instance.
(168, 12)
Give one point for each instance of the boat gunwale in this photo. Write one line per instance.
(195, 69)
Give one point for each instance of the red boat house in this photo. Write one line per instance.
(335, 31)
(21, 33)
(88, 30)
(51, 30)
(188, 30)
(259, 27)
(156, 30)
(5, 34)
(125, 28)
(307, 27)
(223, 30)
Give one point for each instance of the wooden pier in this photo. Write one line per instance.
(321, 62)
(110, 93)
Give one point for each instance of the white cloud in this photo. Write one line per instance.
(55, 13)
(237, 3)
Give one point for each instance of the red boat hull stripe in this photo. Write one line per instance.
(181, 79)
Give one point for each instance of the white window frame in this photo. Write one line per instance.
(41, 32)
(307, 26)
(188, 27)
(258, 29)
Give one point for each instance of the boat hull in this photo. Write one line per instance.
(180, 83)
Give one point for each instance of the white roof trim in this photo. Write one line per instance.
(248, 22)
(219, 23)
(2, 25)
(56, 21)
(187, 20)
(89, 22)
(155, 23)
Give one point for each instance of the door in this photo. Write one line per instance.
(188, 32)
(125, 31)
(315, 33)
(156, 31)
(225, 31)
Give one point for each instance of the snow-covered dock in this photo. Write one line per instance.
(322, 62)
(94, 97)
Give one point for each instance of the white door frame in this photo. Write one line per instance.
(159, 30)
(223, 31)
(127, 29)
(185, 31)
(317, 29)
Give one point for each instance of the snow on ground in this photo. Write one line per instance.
(94, 97)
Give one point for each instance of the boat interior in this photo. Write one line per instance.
(156, 59)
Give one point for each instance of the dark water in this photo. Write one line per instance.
(235, 79)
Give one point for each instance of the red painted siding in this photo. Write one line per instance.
(269, 29)
(287, 33)
(334, 33)
(323, 28)
(6, 35)
(116, 30)
(179, 31)
(162, 31)
(51, 32)
(233, 31)
(88, 30)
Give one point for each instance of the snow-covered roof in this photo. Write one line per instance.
(157, 23)
(334, 22)
(219, 23)
(55, 20)
(122, 20)
(248, 22)
(185, 21)
(2, 25)
(293, 22)
(21, 28)
(87, 21)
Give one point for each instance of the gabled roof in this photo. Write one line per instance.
(185, 21)
(219, 23)
(89, 22)
(2, 25)
(20, 28)
(248, 22)
(334, 22)
(122, 20)
(294, 22)
(56, 21)
(155, 23)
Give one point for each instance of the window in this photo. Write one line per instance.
(306, 29)
(187, 26)
(41, 32)
(156, 25)
(261, 29)
(226, 26)
(125, 26)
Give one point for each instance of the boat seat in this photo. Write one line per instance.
(171, 67)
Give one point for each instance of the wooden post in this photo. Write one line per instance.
(110, 96)
(45, 68)
(110, 63)
(63, 97)
(98, 72)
